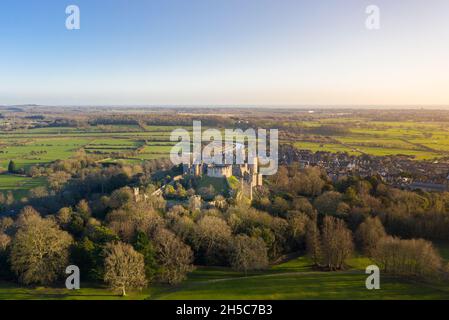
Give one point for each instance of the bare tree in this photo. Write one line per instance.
(368, 234)
(248, 253)
(313, 241)
(337, 243)
(212, 237)
(297, 223)
(415, 257)
(173, 256)
(5, 240)
(124, 268)
(39, 250)
(5, 224)
(126, 221)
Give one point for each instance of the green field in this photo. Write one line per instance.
(19, 185)
(44, 145)
(132, 144)
(30, 151)
(420, 140)
(294, 279)
(219, 184)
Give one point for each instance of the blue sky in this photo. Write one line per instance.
(224, 52)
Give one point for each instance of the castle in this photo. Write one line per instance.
(247, 173)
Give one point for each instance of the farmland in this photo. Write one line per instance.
(42, 145)
(19, 185)
(420, 140)
(133, 144)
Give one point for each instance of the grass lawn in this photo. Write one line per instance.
(330, 147)
(10, 291)
(20, 186)
(310, 285)
(219, 184)
(294, 279)
(27, 152)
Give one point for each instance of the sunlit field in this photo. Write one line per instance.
(295, 279)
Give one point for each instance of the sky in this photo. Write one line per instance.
(224, 52)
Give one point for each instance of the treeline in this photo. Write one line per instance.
(172, 119)
(328, 130)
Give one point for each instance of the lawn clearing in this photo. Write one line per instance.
(20, 186)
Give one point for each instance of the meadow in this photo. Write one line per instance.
(419, 140)
(294, 279)
(19, 185)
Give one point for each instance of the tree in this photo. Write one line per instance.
(120, 197)
(12, 167)
(9, 198)
(280, 206)
(313, 241)
(87, 256)
(184, 228)
(368, 234)
(136, 216)
(414, 257)
(303, 205)
(143, 245)
(248, 253)
(6, 224)
(327, 203)
(83, 208)
(2, 201)
(64, 216)
(207, 193)
(170, 191)
(173, 256)
(336, 242)
(212, 236)
(195, 203)
(39, 250)
(297, 222)
(124, 268)
(58, 179)
(5, 241)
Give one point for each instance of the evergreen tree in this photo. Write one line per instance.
(143, 245)
(11, 167)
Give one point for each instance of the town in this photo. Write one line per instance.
(398, 171)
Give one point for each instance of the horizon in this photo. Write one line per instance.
(236, 106)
